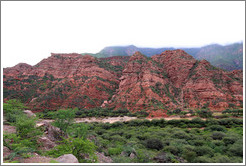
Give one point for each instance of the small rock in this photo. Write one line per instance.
(189, 115)
(103, 159)
(67, 158)
(132, 155)
(29, 113)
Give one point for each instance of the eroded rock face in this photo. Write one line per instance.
(61, 81)
(170, 80)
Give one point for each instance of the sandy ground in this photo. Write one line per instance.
(105, 120)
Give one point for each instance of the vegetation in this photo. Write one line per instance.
(96, 112)
(204, 113)
(63, 119)
(135, 141)
(75, 141)
(24, 140)
(148, 139)
(13, 109)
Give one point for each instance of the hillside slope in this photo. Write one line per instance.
(170, 80)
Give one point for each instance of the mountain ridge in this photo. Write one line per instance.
(228, 57)
(170, 80)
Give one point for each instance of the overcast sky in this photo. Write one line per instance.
(32, 30)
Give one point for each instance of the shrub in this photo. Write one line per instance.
(236, 149)
(215, 128)
(25, 127)
(144, 156)
(204, 113)
(203, 159)
(78, 130)
(177, 111)
(181, 135)
(229, 140)
(114, 151)
(153, 143)
(189, 155)
(226, 122)
(172, 149)
(218, 135)
(117, 138)
(221, 159)
(78, 147)
(203, 150)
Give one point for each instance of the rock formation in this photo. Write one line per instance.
(170, 80)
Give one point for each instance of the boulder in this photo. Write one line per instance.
(67, 158)
(53, 133)
(47, 144)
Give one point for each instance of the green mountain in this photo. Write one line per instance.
(229, 57)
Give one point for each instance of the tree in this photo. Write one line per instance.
(12, 109)
(63, 119)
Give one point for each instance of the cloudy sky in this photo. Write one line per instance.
(32, 30)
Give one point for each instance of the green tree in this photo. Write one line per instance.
(12, 109)
(64, 118)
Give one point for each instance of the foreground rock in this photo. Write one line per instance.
(67, 158)
(53, 133)
(46, 143)
(103, 159)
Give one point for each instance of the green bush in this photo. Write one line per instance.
(215, 128)
(218, 135)
(236, 149)
(78, 130)
(26, 127)
(12, 109)
(203, 159)
(204, 113)
(189, 155)
(78, 147)
(144, 156)
(114, 151)
(154, 143)
(203, 150)
(229, 140)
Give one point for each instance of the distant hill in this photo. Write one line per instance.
(229, 57)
